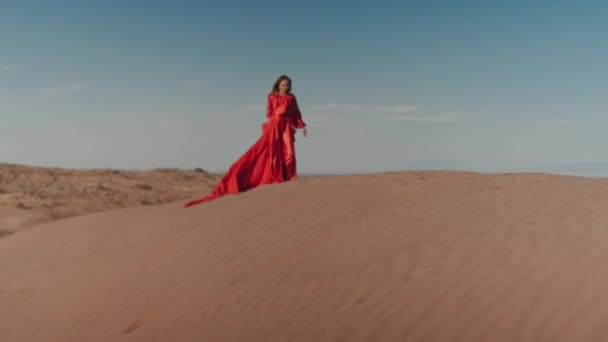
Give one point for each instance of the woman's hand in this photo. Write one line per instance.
(304, 133)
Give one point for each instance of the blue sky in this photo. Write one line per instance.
(481, 85)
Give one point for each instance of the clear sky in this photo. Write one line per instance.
(383, 86)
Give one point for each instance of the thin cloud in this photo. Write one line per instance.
(194, 83)
(562, 122)
(405, 114)
(459, 113)
(61, 90)
(398, 109)
(314, 119)
(255, 108)
(393, 119)
(8, 67)
(423, 119)
(335, 107)
(351, 107)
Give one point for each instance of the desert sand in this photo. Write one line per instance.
(400, 256)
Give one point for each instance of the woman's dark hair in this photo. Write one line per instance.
(275, 87)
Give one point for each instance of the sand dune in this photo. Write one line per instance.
(412, 256)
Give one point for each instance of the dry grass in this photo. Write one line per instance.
(64, 193)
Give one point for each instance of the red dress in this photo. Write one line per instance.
(269, 160)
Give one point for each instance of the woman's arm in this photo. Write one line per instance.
(297, 115)
(269, 107)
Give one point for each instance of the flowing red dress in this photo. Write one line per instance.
(269, 160)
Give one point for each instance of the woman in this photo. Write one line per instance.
(272, 158)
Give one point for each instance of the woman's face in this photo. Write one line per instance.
(283, 87)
